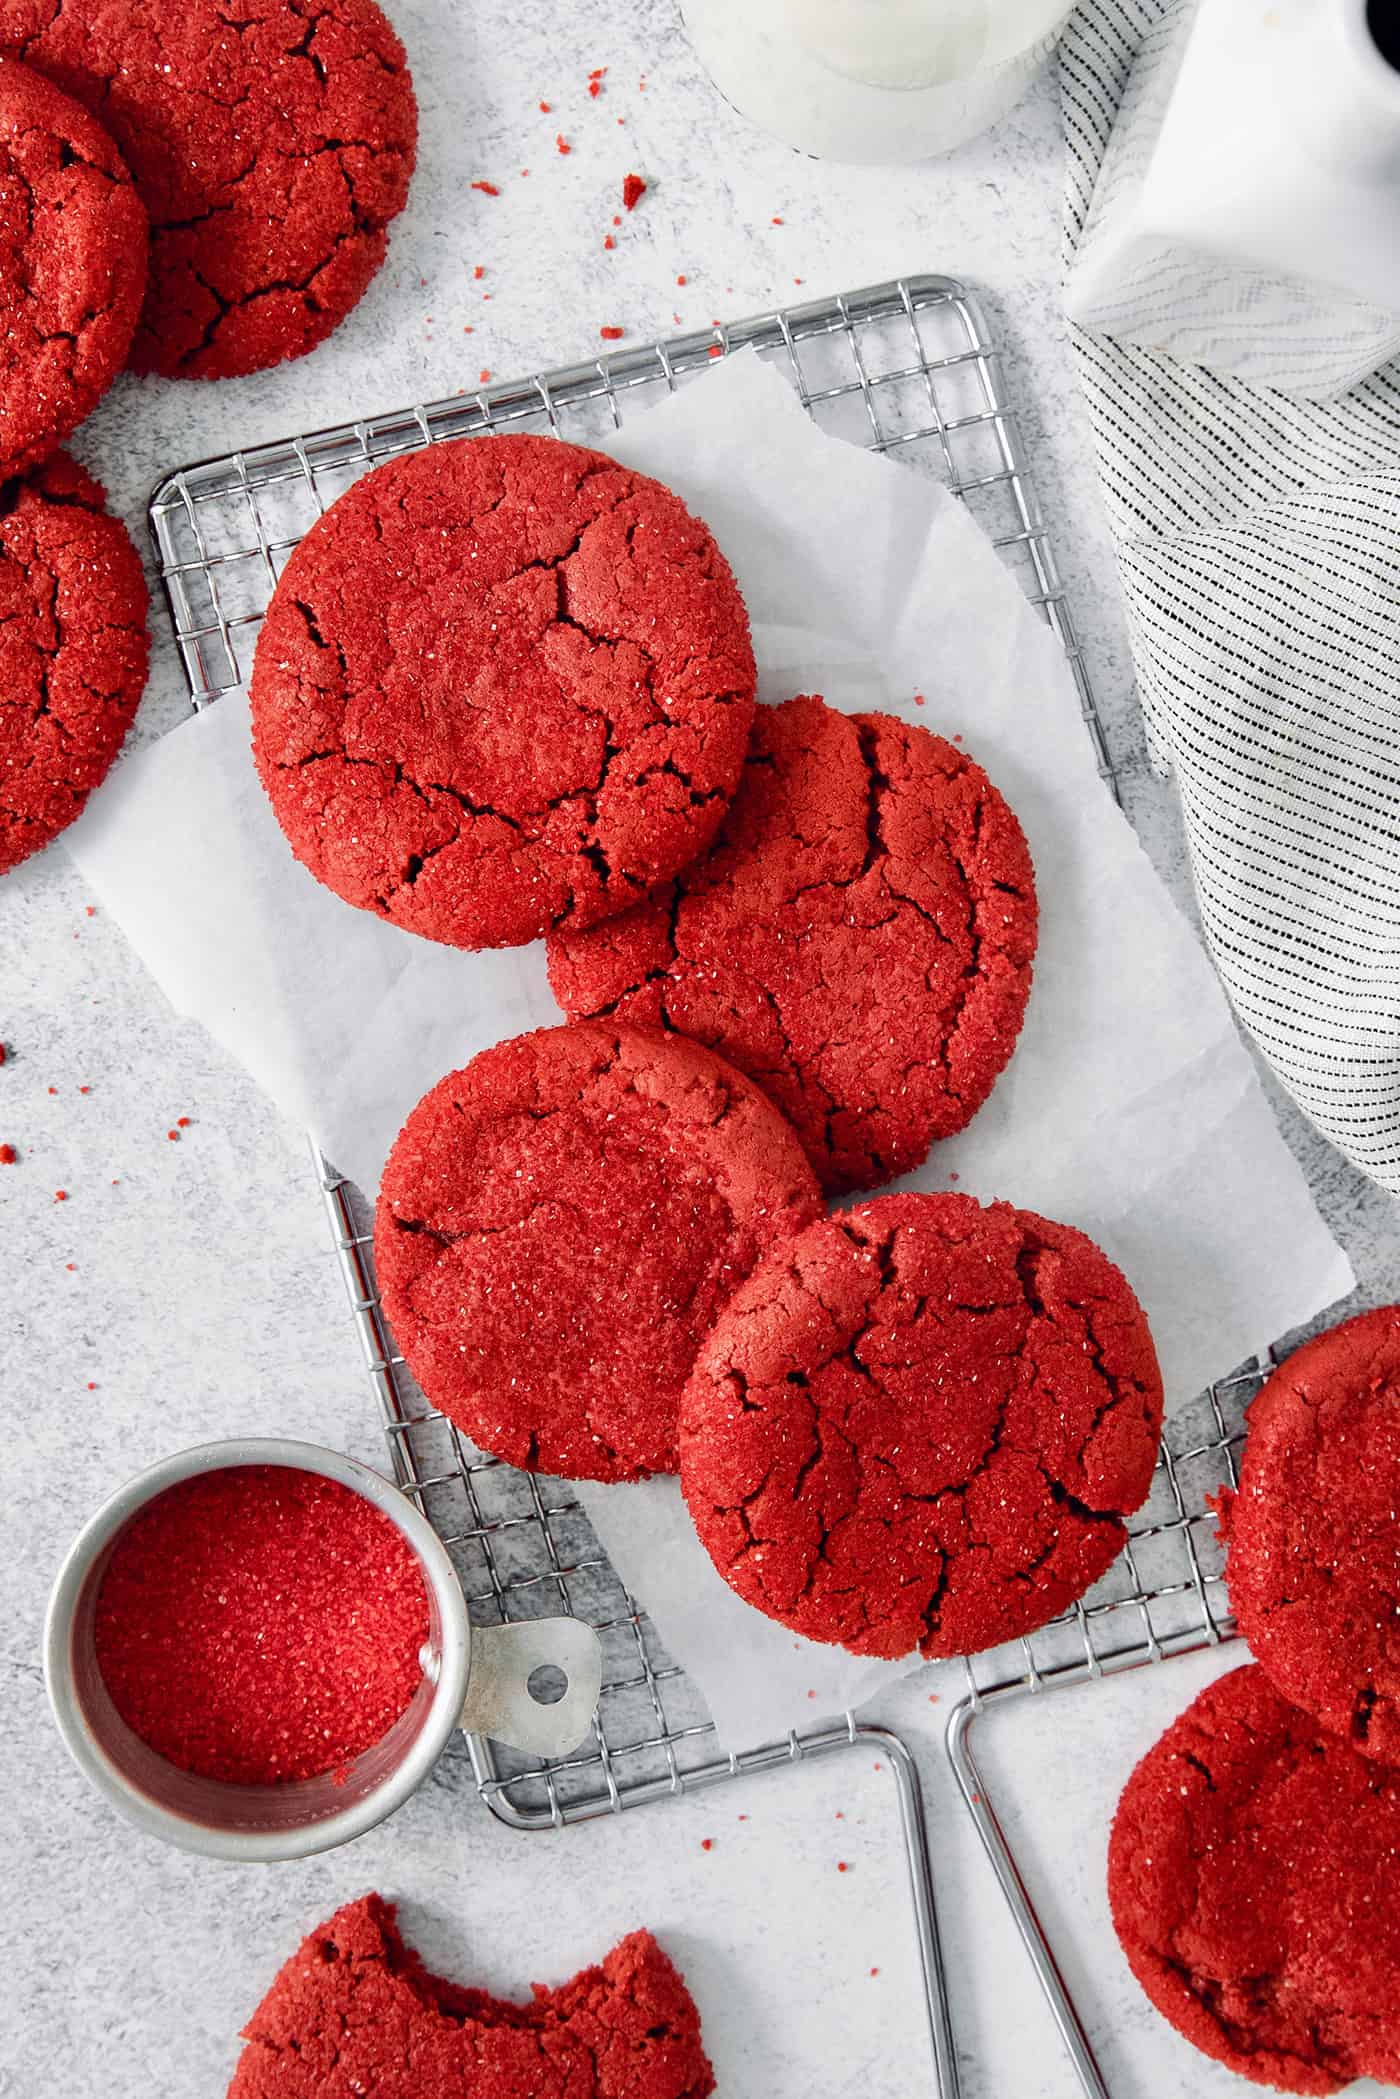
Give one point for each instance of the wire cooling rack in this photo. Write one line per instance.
(908, 369)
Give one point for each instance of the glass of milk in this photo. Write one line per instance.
(874, 80)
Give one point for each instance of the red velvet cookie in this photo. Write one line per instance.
(355, 2011)
(271, 144)
(1251, 1872)
(72, 265)
(859, 941)
(504, 684)
(73, 650)
(1314, 1532)
(559, 1225)
(920, 1425)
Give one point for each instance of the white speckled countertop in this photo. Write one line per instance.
(186, 1290)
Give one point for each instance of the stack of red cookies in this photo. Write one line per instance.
(189, 193)
(506, 690)
(1254, 1858)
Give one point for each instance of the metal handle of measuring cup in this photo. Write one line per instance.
(500, 1702)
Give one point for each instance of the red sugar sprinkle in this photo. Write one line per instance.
(715, 351)
(879, 1767)
(933, 1698)
(952, 1176)
(70, 1266)
(85, 1089)
(776, 220)
(874, 1971)
(60, 1195)
(609, 242)
(919, 700)
(91, 1386)
(612, 335)
(633, 191)
(546, 107)
(485, 374)
(707, 1843)
(598, 72)
(841, 1866)
(682, 280)
(478, 272)
(8, 1155)
(259, 1624)
(595, 88)
(743, 1818)
(173, 1135)
(182, 1122)
(53, 1089)
(524, 171)
(91, 910)
(562, 143)
(617, 218)
(488, 189)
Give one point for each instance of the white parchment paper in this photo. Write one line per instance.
(1131, 1107)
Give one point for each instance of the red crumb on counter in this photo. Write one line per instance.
(776, 220)
(919, 700)
(488, 189)
(479, 272)
(561, 143)
(8, 1155)
(485, 374)
(260, 1624)
(598, 72)
(60, 1195)
(716, 351)
(71, 1266)
(85, 1089)
(595, 88)
(546, 108)
(633, 191)
(92, 1384)
(609, 242)
(841, 1866)
(91, 910)
(53, 1089)
(682, 279)
(173, 1135)
(182, 1122)
(874, 1971)
(612, 335)
(707, 1843)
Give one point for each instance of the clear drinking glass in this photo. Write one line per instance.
(874, 80)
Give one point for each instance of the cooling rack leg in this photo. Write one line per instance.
(911, 1817)
(1022, 1908)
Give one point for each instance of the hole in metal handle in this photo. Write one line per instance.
(547, 1684)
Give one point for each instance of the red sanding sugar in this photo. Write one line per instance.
(633, 191)
(259, 1624)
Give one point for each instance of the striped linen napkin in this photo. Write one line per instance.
(1259, 541)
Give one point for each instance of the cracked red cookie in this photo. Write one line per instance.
(271, 143)
(558, 1226)
(73, 650)
(859, 941)
(504, 684)
(355, 2011)
(1314, 1531)
(72, 265)
(921, 1425)
(1251, 1873)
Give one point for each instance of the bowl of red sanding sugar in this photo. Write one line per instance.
(258, 1650)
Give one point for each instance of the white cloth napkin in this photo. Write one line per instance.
(1259, 542)
(1129, 280)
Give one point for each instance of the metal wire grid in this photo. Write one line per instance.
(907, 368)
